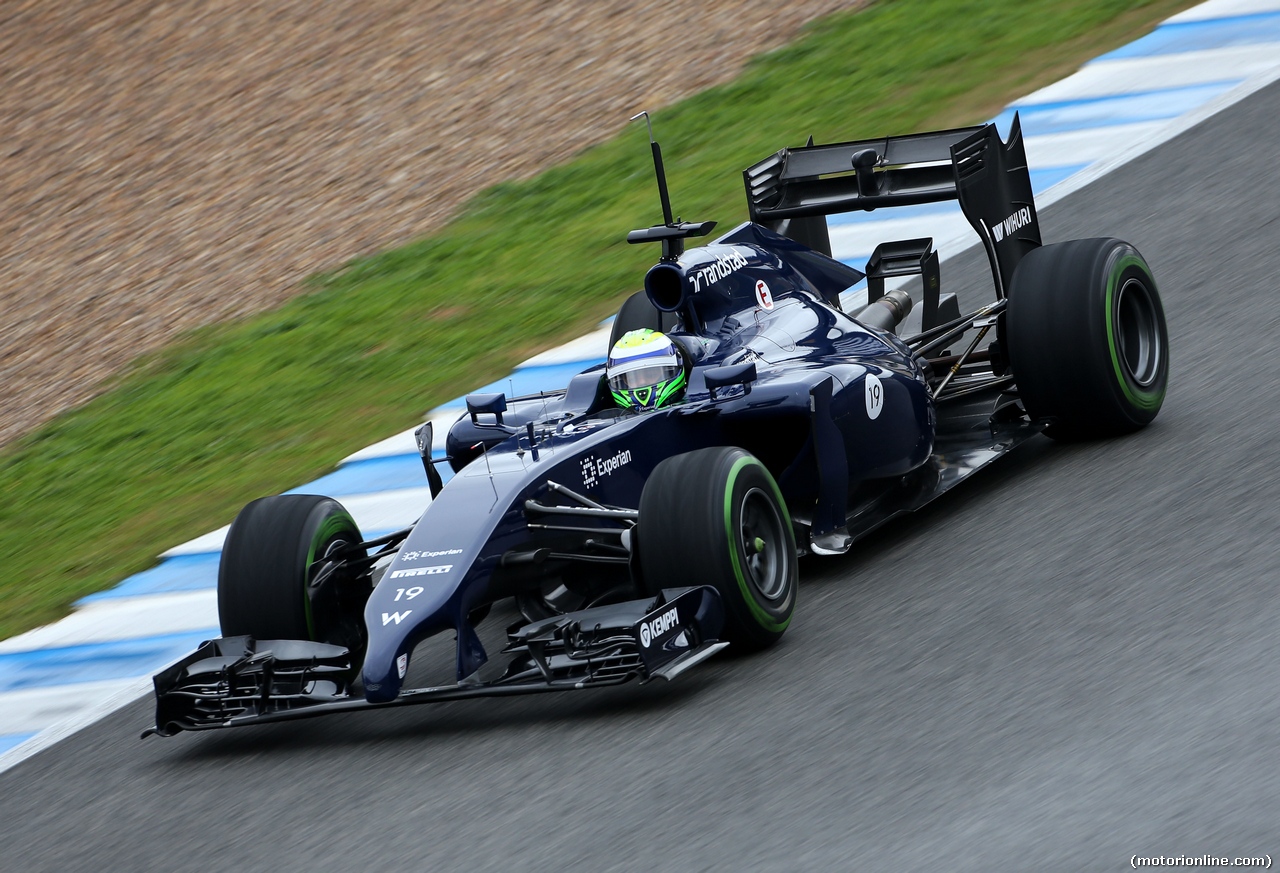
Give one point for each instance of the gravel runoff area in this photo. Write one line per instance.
(165, 165)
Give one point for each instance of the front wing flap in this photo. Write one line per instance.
(239, 680)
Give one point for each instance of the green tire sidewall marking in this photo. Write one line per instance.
(332, 525)
(763, 618)
(1144, 400)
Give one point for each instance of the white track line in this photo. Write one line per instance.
(122, 618)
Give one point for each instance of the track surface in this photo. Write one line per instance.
(1067, 661)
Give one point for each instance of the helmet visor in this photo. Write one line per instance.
(643, 378)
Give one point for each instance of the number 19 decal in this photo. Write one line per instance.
(875, 396)
(409, 593)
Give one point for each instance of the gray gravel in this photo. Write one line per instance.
(1067, 661)
(164, 165)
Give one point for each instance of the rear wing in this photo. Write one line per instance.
(792, 191)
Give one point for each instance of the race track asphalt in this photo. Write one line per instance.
(1069, 660)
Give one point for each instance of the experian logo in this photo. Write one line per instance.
(413, 556)
(594, 469)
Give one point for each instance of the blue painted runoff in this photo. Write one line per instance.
(179, 573)
(198, 572)
(1189, 36)
(370, 476)
(95, 662)
(924, 210)
(9, 741)
(531, 380)
(1039, 119)
(1043, 180)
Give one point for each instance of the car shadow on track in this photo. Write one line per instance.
(1011, 471)
(451, 720)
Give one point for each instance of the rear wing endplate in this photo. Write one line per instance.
(793, 190)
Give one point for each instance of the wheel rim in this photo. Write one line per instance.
(763, 539)
(1138, 333)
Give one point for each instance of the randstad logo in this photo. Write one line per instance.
(723, 266)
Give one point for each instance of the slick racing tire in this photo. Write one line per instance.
(273, 582)
(1087, 339)
(716, 517)
(636, 313)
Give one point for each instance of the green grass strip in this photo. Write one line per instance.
(237, 411)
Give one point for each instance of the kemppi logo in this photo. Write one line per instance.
(656, 627)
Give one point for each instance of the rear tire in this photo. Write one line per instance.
(1087, 338)
(270, 584)
(716, 517)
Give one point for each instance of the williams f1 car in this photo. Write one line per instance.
(634, 543)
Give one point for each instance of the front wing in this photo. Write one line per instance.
(239, 680)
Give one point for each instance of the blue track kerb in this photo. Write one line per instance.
(95, 662)
(1190, 36)
(173, 575)
(531, 380)
(374, 475)
(1064, 116)
(9, 741)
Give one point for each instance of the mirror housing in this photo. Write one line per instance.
(487, 404)
(735, 374)
(425, 437)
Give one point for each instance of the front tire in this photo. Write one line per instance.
(1087, 338)
(716, 517)
(273, 581)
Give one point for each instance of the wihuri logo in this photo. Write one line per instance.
(1015, 222)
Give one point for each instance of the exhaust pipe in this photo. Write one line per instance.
(887, 312)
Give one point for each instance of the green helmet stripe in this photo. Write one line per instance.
(672, 386)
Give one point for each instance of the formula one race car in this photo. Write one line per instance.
(637, 535)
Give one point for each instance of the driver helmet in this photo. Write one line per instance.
(646, 370)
